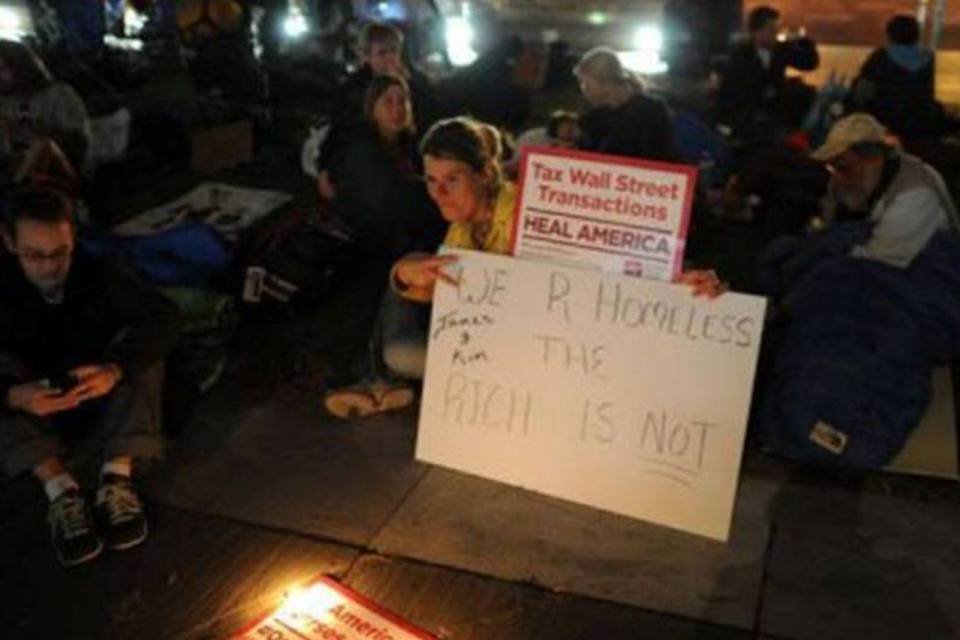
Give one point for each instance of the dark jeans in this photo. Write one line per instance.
(126, 422)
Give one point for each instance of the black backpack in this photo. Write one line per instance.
(296, 256)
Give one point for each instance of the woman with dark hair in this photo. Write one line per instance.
(462, 166)
(381, 195)
(35, 106)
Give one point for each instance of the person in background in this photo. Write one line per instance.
(896, 83)
(381, 52)
(871, 179)
(381, 194)
(623, 119)
(35, 106)
(752, 91)
(82, 346)
(562, 130)
(464, 177)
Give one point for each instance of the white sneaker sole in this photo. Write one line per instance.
(129, 544)
(82, 559)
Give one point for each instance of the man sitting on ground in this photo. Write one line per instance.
(81, 346)
(871, 179)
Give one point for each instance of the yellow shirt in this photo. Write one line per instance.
(460, 234)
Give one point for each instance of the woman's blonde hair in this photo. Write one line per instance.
(603, 65)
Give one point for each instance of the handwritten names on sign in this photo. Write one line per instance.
(616, 392)
(622, 215)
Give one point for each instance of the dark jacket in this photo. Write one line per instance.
(639, 128)
(899, 97)
(748, 88)
(106, 316)
(381, 195)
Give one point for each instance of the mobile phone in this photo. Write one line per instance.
(63, 382)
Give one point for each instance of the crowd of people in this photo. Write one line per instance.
(83, 342)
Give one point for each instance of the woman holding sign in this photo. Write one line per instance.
(462, 167)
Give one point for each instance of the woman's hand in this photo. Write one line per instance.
(417, 274)
(704, 282)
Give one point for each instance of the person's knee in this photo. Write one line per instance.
(406, 359)
(151, 378)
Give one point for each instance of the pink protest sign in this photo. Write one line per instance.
(327, 610)
(622, 215)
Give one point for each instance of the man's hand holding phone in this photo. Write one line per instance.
(95, 380)
(40, 398)
(63, 392)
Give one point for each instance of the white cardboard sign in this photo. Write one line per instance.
(625, 394)
(622, 215)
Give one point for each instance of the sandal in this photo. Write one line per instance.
(365, 400)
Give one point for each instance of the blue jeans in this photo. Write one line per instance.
(398, 348)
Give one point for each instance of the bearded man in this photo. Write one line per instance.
(872, 179)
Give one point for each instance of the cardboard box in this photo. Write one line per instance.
(221, 146)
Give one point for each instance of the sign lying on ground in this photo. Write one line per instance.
(621, 215)
(227, 208)
(326, 610)
(625, 394)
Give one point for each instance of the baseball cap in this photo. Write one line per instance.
(854, 129)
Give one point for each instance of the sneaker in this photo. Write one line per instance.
(71, 530)
(120, 513)
(362, 401)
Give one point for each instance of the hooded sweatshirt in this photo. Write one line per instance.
(896, 84)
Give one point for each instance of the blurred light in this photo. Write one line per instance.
(645, 59)
(9, 20)
(648, 38)
(645, 62)
(316, 598)
(597, 18)
(459, 35)
(124, 44)
(11, 24)
(550, 36)
(295, 24)
(388, 10)
(133, 22)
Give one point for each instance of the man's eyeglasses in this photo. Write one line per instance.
(34, 256)
(841, 167)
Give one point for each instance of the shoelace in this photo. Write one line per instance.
(120, 503)
(72, 518)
